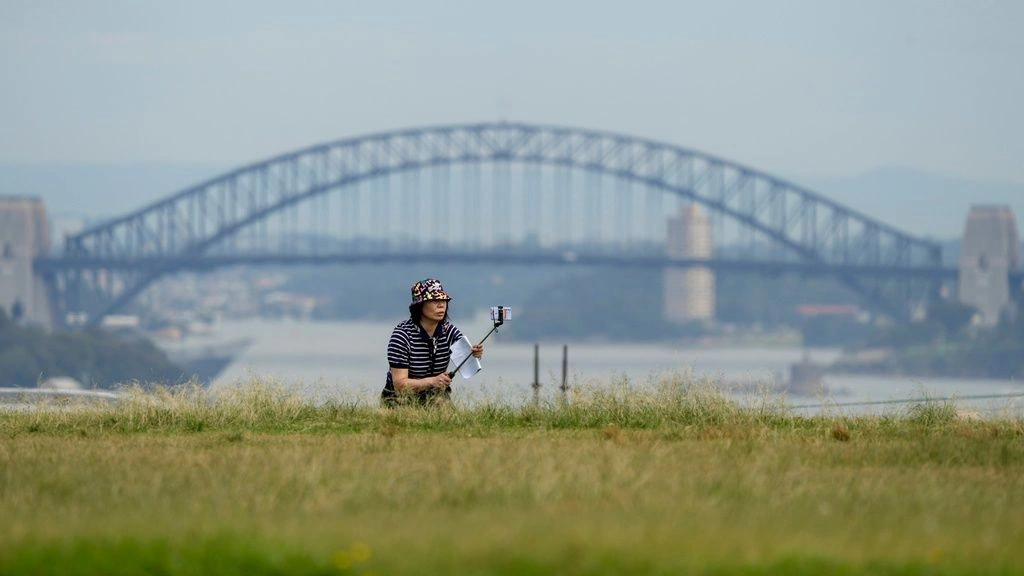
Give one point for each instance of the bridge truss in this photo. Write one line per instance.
(488, 191)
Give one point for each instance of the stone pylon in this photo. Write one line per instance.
(689, 292)
(24, 235)
(990, 251)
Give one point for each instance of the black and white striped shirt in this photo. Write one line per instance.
(424, 356)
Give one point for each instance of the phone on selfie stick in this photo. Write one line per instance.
(498, 315)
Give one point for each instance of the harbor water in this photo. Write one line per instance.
(346, 360)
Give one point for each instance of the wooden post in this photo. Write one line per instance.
(565, 369)
(536, 374)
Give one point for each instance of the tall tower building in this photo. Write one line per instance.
(989, 252)
(24, 235)
(689, 292)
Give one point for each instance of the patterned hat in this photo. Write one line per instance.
(429, 289)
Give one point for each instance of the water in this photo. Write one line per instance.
(347, 360)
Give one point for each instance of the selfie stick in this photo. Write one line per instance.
(498, 321)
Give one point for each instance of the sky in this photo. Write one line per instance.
(817, 87)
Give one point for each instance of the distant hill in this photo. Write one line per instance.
(923, 204)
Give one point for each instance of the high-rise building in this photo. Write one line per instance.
(989, 252)
(689, 292)
(24, 235)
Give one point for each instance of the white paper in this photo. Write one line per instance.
(462, 349)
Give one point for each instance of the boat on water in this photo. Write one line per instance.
(204, 360)
(193, 342)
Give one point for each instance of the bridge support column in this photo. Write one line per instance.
(689, 292)
(24, 235)
(989, 252)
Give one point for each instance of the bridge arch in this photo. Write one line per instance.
(163, 237)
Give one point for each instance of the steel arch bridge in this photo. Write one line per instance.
(253, 214)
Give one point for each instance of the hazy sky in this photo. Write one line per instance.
(791, 87)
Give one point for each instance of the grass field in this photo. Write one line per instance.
(678, 481)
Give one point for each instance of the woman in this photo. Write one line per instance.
(420, 348)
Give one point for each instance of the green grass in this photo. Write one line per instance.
(679, 480)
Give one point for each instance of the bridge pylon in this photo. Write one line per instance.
(989, 255)
(689, 292)
(24, 236)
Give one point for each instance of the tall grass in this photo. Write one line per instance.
(674, 479)
(674, 404)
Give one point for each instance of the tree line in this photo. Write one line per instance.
(30, 355)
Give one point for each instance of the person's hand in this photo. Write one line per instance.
(442, 380)
(478, 351)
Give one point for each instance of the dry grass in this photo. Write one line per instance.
(676, 481)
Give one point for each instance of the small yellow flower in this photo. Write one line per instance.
(361, 552)
(342, 560)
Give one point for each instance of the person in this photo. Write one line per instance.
(420, 349)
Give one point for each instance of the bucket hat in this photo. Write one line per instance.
(429, 289)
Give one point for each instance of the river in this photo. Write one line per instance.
(346, 360)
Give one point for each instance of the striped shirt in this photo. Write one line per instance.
(424, 356)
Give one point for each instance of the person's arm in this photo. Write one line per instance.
(477, 350)
(404, 384)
